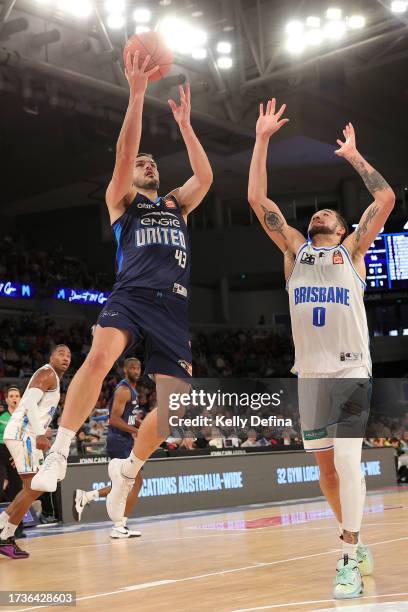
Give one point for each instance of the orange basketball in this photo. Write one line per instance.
(154, 44)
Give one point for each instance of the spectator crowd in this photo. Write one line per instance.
(46, 269)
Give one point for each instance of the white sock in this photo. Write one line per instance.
(92, 495)
(347, 460)
(340, 528)
(4, 517)
(124, 521)
(8, 531)
(132, 466)
(119, 524)
(350, 550)
(63, 441)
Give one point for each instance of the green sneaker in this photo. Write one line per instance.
(347, 583)
(365, 560)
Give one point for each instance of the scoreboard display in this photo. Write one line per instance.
(387, 263)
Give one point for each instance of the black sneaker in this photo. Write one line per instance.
(48, 519)
(20, 533)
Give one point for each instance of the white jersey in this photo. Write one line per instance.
(18, 426)
(329, 322)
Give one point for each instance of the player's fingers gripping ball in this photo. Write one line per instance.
(153, 44)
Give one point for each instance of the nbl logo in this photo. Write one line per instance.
(308, 258)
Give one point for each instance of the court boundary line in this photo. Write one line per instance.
(147, 585)
(317, 601)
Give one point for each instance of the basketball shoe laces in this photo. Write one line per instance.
(345, 575)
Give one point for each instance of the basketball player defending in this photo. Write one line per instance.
(123, 428)
(25, 438)
(149, 298)
(325, 281)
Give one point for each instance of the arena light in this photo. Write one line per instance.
(200, 37)
(399, 6)
(181, 36)
(313, 22)
(224, 47)
(199, 53)
(142, 15)
(314, 37)
(294, 28)
(115, 21)
(356, 22)
(334, 30)
(197, 14)
(295, 45)
(224, 62)
(333, 13)
(140, 29)
(115, 7)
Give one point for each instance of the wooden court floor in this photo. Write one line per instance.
(269, 558)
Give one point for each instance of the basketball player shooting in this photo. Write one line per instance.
(149, 298)
(26, 441)
(325, 281)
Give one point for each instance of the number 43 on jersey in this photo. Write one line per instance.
(181, 257)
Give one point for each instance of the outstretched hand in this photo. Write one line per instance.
(182, 111)
(348, 147)
(138, 76)
(270, 121)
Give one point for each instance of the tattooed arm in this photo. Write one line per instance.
(375, 216)
(268, 213)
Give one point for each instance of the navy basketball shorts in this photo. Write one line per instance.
(160, 317)
(118, 447)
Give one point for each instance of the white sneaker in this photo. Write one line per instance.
(347, 583)
(50, 473)
(79, 503)
(122, 532)
(121, 486)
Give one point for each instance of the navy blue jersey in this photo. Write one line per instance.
(153, 249)
(129, 413)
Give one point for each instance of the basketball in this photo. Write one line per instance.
(154, 44)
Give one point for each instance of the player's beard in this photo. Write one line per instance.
(148, 183)
(321, 229)
(133, 379)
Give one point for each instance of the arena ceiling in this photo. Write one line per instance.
(63, 96)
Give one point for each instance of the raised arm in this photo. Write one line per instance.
(121, 397)
(191, 194)
(375, 216)
(268, 213)
(128, 143)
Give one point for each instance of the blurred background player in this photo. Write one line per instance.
(330, 333)
(123, 428)
(10, 481)
(150, 296)
(25, 438)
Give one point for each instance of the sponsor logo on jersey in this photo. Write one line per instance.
(186, 366)
(308, 258)
(146, 205)
(338, 257)
(160, 219)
